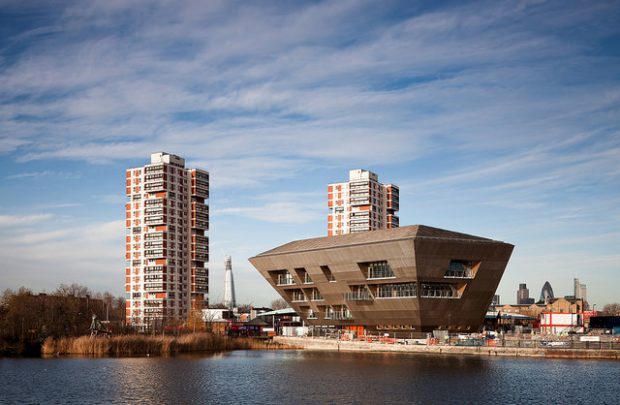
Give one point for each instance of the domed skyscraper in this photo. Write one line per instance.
(546, 294)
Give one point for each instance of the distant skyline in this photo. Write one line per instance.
(498, 119)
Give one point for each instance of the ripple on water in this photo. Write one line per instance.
(256, 377)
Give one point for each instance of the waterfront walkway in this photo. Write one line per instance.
(326, 344)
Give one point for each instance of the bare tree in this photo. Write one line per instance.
(612, 309)
(73, 290)
(279, 304)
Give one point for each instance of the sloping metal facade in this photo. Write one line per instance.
(414, 278)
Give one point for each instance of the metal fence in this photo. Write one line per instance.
(538, 342)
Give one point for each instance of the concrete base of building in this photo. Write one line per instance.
(324, 344)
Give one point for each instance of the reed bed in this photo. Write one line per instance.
(140, 345)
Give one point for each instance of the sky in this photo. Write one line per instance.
(496, 118)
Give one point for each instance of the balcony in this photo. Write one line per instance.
(201, 216)
(358, 184)
(154, 278)
(338, 314)
(155, 287)
(154, 236)
(200, 256)
(154, 244)
(378, 270)
(360, 201)
(460, 269)
(154, 253)
(432, 290)
(154, 269)
(155, 220)
(298, 296)
(200, 208)
(342, 316)
(200, 224)
(361, 294)
(154, 303)
(154, 169)
(156, 186)
(285, 279)
(404, 290)
(151, 177)
(155, 203)
(200, 240)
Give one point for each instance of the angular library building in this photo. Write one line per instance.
(413, 278)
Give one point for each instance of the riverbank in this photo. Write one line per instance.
(149, 345)
(322, 344)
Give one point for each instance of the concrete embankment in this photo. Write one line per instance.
(321, 344)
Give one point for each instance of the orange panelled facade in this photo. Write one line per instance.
(166, 241)
(361, 204)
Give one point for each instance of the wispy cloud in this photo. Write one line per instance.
(280, 207)
(45, 173)
(20, 220)
(394, 86)
(496, 115)
(113, 199)
(86, 254)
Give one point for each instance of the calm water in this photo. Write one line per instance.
(291, 377)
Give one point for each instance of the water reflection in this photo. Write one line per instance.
(257, 377)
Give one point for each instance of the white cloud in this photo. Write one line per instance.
(288, 212)
(474, 108)
(237, 64)
(88, 254)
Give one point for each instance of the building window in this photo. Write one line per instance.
(282, 277)
(460, 269)
(297, 296)
(359, 293)
(438, 290)
(375, 270)
(328, 274)
(397, 290)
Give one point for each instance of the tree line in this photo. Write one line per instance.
(27, 318)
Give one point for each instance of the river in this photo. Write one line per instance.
(298, 377)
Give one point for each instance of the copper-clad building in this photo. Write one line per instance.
(414, 278)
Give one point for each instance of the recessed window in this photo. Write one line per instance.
(461, 269)
(400, 290)
(328, 274)
(375, 270)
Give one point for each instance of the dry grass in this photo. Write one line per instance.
(135, 345)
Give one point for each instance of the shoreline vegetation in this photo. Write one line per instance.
(152, 345)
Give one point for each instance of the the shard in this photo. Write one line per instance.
(229, 284)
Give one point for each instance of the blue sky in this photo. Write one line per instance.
(499, 119)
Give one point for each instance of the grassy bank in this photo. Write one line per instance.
(138, 345)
